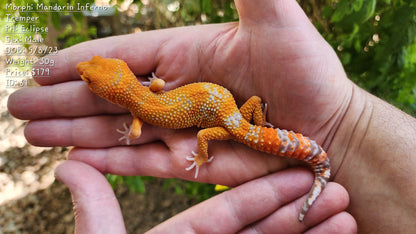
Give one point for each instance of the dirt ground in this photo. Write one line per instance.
(31, 201)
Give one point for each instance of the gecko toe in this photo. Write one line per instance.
(125, 132)
(191, 166)
(194, 163)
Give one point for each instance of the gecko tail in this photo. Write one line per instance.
(322, 174)
(293, 145)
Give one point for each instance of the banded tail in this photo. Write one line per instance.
(293, 145)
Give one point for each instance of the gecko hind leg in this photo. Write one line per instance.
(205, 135)
(254, 109)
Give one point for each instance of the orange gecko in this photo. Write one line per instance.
(206, 105)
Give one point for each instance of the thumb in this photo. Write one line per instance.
(95, 205)
(282, 13)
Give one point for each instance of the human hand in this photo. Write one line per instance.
(268, 204)
(298, 75)
(273, 52)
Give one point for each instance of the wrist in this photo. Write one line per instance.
(351, 130)
(373, 158)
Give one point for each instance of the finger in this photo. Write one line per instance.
(95, 205)
(332, 200)
(129, 161)
(91, 132)
(233, 210)
(100, 132)
(232, 165)
(340, 223)
(62, 100)
(172, 51)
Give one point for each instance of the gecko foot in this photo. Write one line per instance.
(194, 164)
(267, 124)
(147, 83)
(155, 84)
(125, 133)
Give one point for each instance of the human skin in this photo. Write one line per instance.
(273, 52)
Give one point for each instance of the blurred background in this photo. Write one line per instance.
(375, 40)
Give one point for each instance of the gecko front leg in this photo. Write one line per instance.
(131, 133)
(155, 84)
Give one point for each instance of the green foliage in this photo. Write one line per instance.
(199, 191)
(218, 11)
(45, 16)
(135, 183)
(76, 33)
(375, 41)
(190, 12)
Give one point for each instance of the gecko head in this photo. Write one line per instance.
(109, 78)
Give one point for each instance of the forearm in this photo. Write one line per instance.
(377, 164)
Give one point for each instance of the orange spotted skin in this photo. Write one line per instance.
(206, 105)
